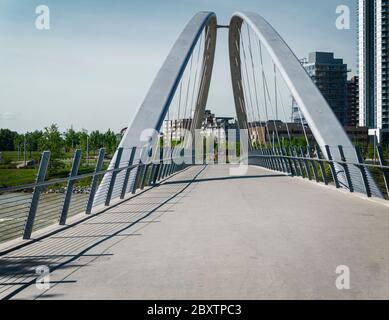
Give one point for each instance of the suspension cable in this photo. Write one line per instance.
(264, 92)
(282, 104)
(302, 123)
(248, 85)
(255, 84)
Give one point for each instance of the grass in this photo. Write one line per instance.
(13, 155)
(10, 177)
(14, 177)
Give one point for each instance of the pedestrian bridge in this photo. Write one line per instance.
(203, 234)
(161, 222)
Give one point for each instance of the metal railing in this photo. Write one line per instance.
(31, 207)
(310, 164)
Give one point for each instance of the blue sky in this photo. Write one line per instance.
(94, 66)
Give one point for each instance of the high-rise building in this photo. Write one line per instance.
(352, 102)
(330, 76)
(373, 66)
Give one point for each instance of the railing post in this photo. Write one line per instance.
(259, 158)
(136, 178)
(139, 170)
(300, 162)
(166, 168)
(182, 153)
(272, 160)
(312, 162)
(332, 166)
(144, 175)
(152, 168)
(95, 180)
(346, 170)
(266, 159)
(306, 167)
(165, 165)
(128, 171)
(35, 195)
(171, 168)
(289, 161)
(156, 173)
(69, 189)
(285, 160)
(321, 165)
(362, 168)
(171, 165)
(385, 171)
(113, 176)
(263, 160)
(152, 173)
(159, 167)
(276, 160)
(282, 162)
(295, 161)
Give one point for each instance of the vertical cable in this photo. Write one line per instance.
(255, 82)
(248, 84)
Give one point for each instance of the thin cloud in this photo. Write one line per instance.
(7, 116)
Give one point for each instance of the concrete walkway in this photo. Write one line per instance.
(206, 235)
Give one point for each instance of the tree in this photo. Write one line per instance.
(33, 140)
(72, 139)
(110, 142)
(7, 138)
(297, 142)
(83, 140)
(96, 140)
(52, 141)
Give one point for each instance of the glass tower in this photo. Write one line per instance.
(373, 65)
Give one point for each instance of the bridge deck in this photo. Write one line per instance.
(206, 235)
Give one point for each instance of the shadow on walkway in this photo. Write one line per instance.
(18, 267)
(228, 178)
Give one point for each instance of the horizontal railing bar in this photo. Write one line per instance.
(75, 178)
(3, 214)
(321, 160)
(14, 205)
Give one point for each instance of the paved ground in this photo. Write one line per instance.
(261, 236)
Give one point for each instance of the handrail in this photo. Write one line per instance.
(321, 160)
(23, 213)
(75, 178)
(289, 161)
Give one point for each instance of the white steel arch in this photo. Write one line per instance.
(156, 104)
(157, 101)
(323, 123)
